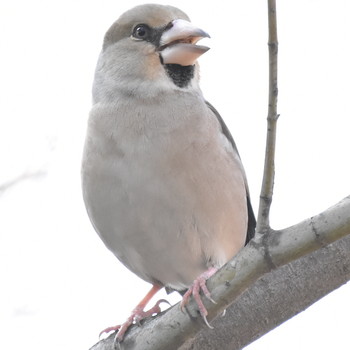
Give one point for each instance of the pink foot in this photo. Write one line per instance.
(137, 314)
(199, 284)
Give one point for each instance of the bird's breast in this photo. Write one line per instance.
(163, 192)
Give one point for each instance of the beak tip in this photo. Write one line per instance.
(206, 35)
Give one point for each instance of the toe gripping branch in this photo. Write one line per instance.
(199, 284)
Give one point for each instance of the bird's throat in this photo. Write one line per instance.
(180, 75)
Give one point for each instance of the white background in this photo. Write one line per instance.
(59, 285)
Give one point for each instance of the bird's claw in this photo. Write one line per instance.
(110, 329)
(206, 322)
(198, 285)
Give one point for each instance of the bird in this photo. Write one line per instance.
(162, 180)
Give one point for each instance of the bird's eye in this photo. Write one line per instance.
(141, 31)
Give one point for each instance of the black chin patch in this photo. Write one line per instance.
(180, 75)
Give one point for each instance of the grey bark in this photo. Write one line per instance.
(277, 297)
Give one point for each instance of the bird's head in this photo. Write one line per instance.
(149, 50)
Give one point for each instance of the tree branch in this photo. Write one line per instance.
(277, 297)
(263, 224)
(266, 253)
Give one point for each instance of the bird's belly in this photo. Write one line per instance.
(168, 218)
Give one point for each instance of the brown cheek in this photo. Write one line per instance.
(153, 66)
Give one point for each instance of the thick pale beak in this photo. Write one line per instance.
(178, 43)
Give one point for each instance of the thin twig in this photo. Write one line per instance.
(263, 222)
(25, 176)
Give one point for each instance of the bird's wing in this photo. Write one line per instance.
(226, 132)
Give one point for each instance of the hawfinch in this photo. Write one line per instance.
(163, 183)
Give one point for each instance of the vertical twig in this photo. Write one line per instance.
(263, 222)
